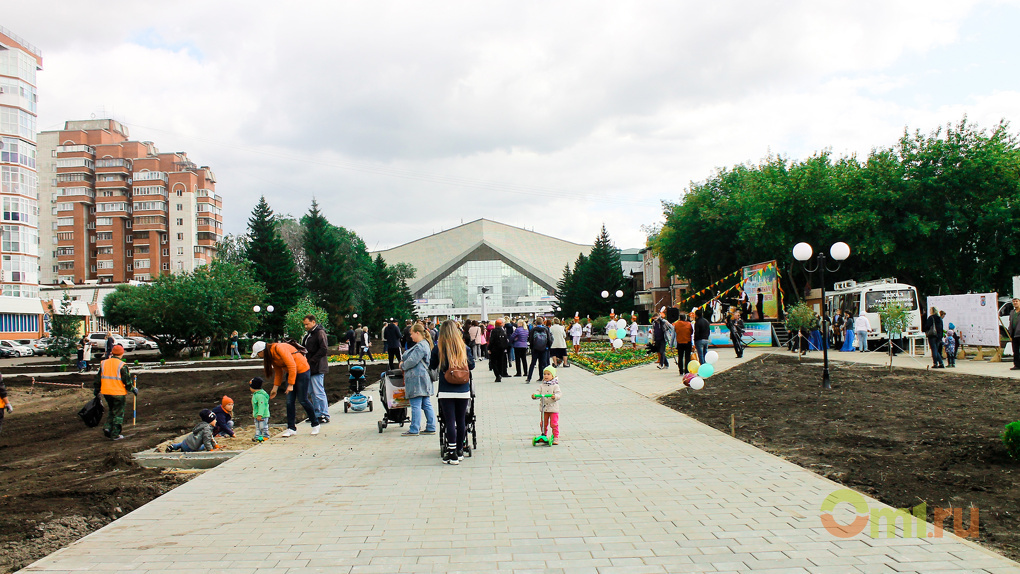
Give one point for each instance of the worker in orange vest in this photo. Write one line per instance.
(114, 382)
(5, 403)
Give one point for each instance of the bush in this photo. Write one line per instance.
(598, 325)
(1011, 439)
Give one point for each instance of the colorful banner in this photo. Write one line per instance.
(755, 335)
(764, 276)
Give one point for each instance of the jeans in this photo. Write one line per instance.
(418, 405)
(262, 428)
(661, 349)
(936, 351)
(862, 339)
(540, 357)
(229, 431)
(454, 413)
(701, 346)
(683, 356)
(317, 390)
(183, 447)
(234, 351)
(300, 394)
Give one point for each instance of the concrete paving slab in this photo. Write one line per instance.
(633, 487)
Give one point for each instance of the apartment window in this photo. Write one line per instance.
(180, 251)
(162, 238)
(180, 265)
(141, 263)
(101, 250)
(180, 237)
(105, 264)
(150, 206)
(75, 162)
(104, 221)
(142, 249)
(104, 235)
(114, 206)
(65, 265)
(180, 193)
(65, 207)
(180, 207)
(93, 268)
(166, 253)
(65, 221)
(64, 251)
(166, 267)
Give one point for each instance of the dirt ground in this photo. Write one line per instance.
(60, 480)
(904, 438)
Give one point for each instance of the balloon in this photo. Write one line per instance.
(697, 383)
(617, 343)
(705, 371)
(693, 366)
(621, 333)
(711, 357)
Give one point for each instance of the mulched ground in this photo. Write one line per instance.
(902, 437)
(60, 480)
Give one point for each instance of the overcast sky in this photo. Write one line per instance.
(407, 118)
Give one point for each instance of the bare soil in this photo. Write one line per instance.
(60, 480)
(903, 438)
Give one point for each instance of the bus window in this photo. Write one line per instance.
(874, 300)
(853, 304)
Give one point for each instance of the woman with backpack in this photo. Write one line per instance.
(520, 346)
(281, 360)
(454, 361)
(539, 341)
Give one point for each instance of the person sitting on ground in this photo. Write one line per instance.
(201, 437)
(5, 403)
(259, 409)
(224, 417)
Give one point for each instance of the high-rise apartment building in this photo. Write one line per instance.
(20, 309)
(117, 210)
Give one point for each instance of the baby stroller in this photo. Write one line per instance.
(355, 400)
(394, 400)
(470, 433)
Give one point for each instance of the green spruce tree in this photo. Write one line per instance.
(273, 265)
(326, 262)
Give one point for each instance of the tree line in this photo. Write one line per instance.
(327, 268)
(580, 289)
(938, 210)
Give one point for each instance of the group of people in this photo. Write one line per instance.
(689, 333)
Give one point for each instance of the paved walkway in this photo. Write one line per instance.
(634, 487)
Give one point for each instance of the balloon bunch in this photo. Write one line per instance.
(617, 336)
(698, 372)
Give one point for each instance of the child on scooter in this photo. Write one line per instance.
(549, 405)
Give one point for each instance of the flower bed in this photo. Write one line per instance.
(604, 361)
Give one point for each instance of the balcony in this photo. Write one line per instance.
(79, 193)
(76, 149)
(151, 176)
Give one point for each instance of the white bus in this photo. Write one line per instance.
(848, 296)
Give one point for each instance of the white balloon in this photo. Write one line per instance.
(617, 343)
(711, 357)
(697, 383)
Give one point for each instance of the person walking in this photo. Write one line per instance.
(235, 353)
(684, 341)
(520, 347)
(349, 339)
(736, 326)
(316, 343)
(1014, 333)
(862, 325)
(110, 342)
(359, 340)
(365, 344)
(498, 347)
(281, 360)
(759, 305)
(405, 336)
(837, 329)
(659, 332)
(702, 332)
(451, 357)
(5, 403)
(417, 382)
(933, 331)
(538, 341)
(474, 334)
(114, 382)
(558, 347)
(391, 338)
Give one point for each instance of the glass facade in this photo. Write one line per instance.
(460, 289)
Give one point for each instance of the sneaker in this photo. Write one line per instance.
(428, 432)
(119, 437)
(556, 441)
(324, 419)
(460, 455)
(170, 448)
(408, 433)
(315, 430)
(450, 457)
(288, 432)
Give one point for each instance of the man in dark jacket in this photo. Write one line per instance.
(702, 331)
(349, 339)
(1014, 332)
(933, 331)
(405, 336)
(736, 327)
(317, 344)
(538, 340)
(498, 344)
(391, 335)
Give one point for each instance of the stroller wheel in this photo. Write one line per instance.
(346, 406)
(369, 406)
(382, 425)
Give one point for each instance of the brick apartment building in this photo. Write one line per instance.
(116, 210)
(20, 309)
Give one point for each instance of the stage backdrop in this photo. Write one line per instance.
(976, 316)
(755, 335)
(765, 276)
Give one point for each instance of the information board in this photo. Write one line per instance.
(764, 276)
(975, 315)
(755, 335)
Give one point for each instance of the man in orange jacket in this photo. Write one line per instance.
(114, 382)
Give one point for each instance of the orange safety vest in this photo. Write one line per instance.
(3, 404)
(109, 376)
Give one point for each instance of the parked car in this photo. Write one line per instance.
(40, 345)
(143, 343)
(98, 341)
(6, 353)
(21, 350)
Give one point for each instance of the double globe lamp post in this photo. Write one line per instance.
(839, 252)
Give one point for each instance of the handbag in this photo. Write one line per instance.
(460, 376)
(932, 331)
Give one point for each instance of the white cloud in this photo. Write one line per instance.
(557, 116)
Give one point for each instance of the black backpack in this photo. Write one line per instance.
(92, 413)
(541, 339)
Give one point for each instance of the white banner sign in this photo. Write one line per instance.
(975, 316)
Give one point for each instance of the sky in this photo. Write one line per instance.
(403, 119)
